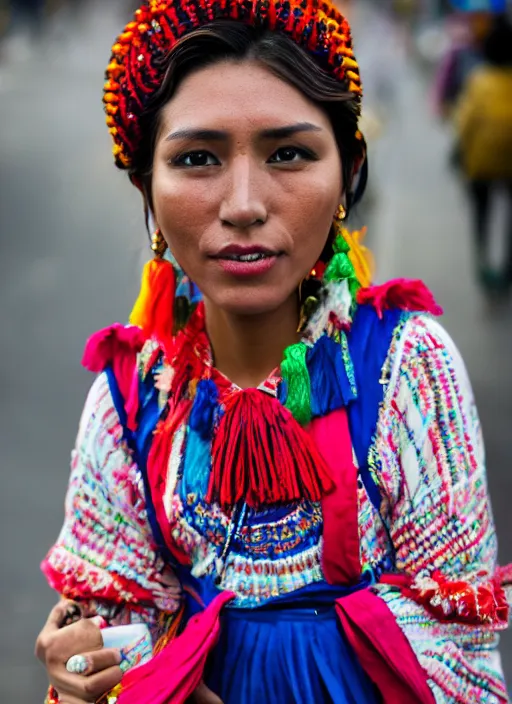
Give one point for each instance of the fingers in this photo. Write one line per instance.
(87, 688)
(95, 661)
(73, 614)
(56, 619)
(55, 646)
(59, 614)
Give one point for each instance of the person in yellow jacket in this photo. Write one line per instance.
(484, 130)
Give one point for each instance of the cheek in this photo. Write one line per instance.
(311, 212)
(182, 212)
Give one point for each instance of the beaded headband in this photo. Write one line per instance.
(135, 71)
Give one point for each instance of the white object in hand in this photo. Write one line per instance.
(134, 642)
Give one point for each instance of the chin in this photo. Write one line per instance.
(251, 302)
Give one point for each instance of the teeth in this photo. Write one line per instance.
(247, 257)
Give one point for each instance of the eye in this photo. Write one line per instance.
(288, 155)
(196, 159)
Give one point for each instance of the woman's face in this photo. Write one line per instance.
(246, 181)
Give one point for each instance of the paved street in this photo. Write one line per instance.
(72, 241)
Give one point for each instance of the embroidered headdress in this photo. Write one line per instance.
(137, 66)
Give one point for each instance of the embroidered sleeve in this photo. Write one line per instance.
(105, 555)
(428, 458)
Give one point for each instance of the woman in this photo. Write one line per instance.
(484, 127)
(284, 479)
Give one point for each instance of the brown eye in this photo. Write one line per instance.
(288, 155)
(196, 159)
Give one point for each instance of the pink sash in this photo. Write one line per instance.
(382, 649)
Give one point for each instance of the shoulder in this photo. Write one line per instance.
(383, 312)
(421, 344)
(111, 344)
(100, 429)
(117, 352)
(99, 410)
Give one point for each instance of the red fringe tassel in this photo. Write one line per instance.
(261, 455)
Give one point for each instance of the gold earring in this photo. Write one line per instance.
(158, 244)
(341, 213)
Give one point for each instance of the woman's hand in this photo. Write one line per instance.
(57, 642)
(203, 695)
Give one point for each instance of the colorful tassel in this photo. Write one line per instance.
(330, 386)
(154, 308)
(360, 256)
(197, 461)
(262, 456)
(340, 268)
(196, 466)
(404, 294)
(205, 405)
(296, 386)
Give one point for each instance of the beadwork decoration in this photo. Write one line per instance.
(136, 68)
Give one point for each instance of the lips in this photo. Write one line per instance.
(246, 261)
(241, 253)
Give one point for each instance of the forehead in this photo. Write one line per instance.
(238, 96)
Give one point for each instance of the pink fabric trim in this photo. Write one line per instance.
(174, 674)
(340, 553)
(383, 650)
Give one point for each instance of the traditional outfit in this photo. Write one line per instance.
(330, 529)
(416, 510)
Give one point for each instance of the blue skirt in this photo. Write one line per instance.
(290, 655)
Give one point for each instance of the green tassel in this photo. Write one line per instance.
(298, 384)
(340, 245)
(340, 268)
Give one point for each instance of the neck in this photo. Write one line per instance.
(247, 348)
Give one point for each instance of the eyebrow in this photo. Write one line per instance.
(221, 135)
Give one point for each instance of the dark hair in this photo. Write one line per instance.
(235, 41)
(498, 44)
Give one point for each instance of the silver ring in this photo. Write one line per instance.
(77, 664)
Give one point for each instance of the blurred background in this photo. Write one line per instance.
(72, 240)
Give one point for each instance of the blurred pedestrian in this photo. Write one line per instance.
(484, 132)
(466, 34)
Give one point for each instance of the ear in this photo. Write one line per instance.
(359, 175)
(359, 163)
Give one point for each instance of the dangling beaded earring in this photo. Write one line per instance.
(341, 213)
(154, 308)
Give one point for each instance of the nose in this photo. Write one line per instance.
(243, 204)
